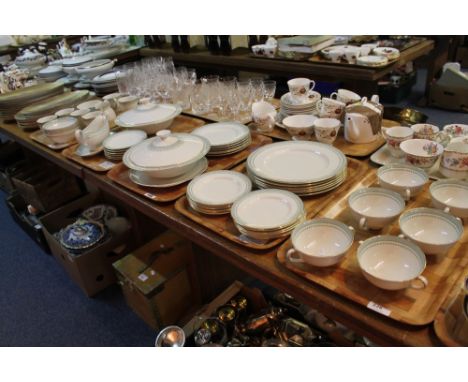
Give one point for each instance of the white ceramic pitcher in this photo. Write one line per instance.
(357, 129)
(93, 135)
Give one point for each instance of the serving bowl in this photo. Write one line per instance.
(375, 207)
(454, 162)
(300, 126)
(425, 131)
(320, 242)
(434, 231)
(421, 152)
(61, 130)
(392, 263)
(407, 180)
(451, 196)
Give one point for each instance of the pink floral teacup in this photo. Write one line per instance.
(394, 136)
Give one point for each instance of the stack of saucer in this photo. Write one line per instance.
(291, 106)
(225, 137)
(51, 73)
(105, 83)
(214, 192)
(268, 214)
(303, 167)
(115, 145)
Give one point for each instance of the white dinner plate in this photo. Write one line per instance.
(223, 133)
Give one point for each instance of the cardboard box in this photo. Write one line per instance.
(91, 270)
(46, 187)
(158, 280)
(18, 211)
(446, 97)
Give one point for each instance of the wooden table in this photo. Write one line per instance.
(360, 79)
(261, 265)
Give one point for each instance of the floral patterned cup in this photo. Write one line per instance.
(326, 129)
(421, 153)
(394, 136)
(454, 163)
(425, 131)
(456, 130)
(299, 88)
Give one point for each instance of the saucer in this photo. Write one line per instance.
(85, 151)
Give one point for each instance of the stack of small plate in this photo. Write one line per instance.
(11, 103)
(27, 117)
(214, 192)
(51, 73)
(268, 214)
(290, 106)
(105, 83)
(225, 137)
(303, 167)
(115, 145)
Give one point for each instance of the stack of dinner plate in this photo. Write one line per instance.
(105, 83)
(115, 145)
(303, 167)
(27, 118)
(167, 160)
(268, 214)
(225, 137)
(214, 192)
(12, 102)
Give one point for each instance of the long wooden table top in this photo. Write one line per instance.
(240, 59)
(261, 265)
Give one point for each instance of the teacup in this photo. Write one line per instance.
(299, 87)
(320, 242)
(330, 108)
(375, 208)
(394, 136)
(392, 263)
(127, 103)
(78, 114)
(351, 54)
(454, 163)
(335, 55)
(425, 131)
(451, 196)
(421, 152)
(345, 96)
(456, 130)
(326, 129)
(263, 115)
(300, 126)
(434, 231)
(42, 121)
(64, 112)
(407, 180)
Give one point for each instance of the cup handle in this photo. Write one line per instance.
(408, 194)
(401, 236)
(362, 223)
(447, 209)
(312, 84)
(289, 256)
(334, 95)
(423, 283)
(351, 228)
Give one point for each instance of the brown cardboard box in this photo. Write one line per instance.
(451, 98)
(158, 280)
(91, 270)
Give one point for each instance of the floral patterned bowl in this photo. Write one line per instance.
(421, 153)
(454, 163)
(425, 131)
(456, 130)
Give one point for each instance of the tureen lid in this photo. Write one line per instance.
(146, 114)
(166, 150)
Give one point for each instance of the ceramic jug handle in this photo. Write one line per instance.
(423, 283)
(312, 84)
(290, 257)
(447, 209)
(334, 95)
(363, 223)
(408, 194)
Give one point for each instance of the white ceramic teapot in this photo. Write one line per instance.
(363, 120)
(92, 136)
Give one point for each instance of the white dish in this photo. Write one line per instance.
(218, 188)
(223, 133)
(124, 139)
(374, 207)
(374, 61)
(392, 263)
(434, 231)
(385, 51)
(60, 125)
(407, 180)
(283, 162)
(450, 196)
(320, 242)
(421, 152)
(142, 179)
(267, 209)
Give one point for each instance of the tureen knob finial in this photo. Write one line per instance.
(163, 134)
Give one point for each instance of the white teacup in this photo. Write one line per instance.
(320, 242)
(392, 263)
(451, 196)
(300, 126)
(345, 96)
(351, 54)
(326, 129)
(394, 136)
(434, 231)
(299, 87)
(375, 208)
(407, 180)
(425, 131)
(330, 108)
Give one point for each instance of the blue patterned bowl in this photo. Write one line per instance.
(81, 235)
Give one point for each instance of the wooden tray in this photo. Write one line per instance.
(244, 118)
(39, 137)
(120, 173)
(98, 162)
(224, 225)
(351, 149)
(185, 124)
(450, 325)
(411, 306)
